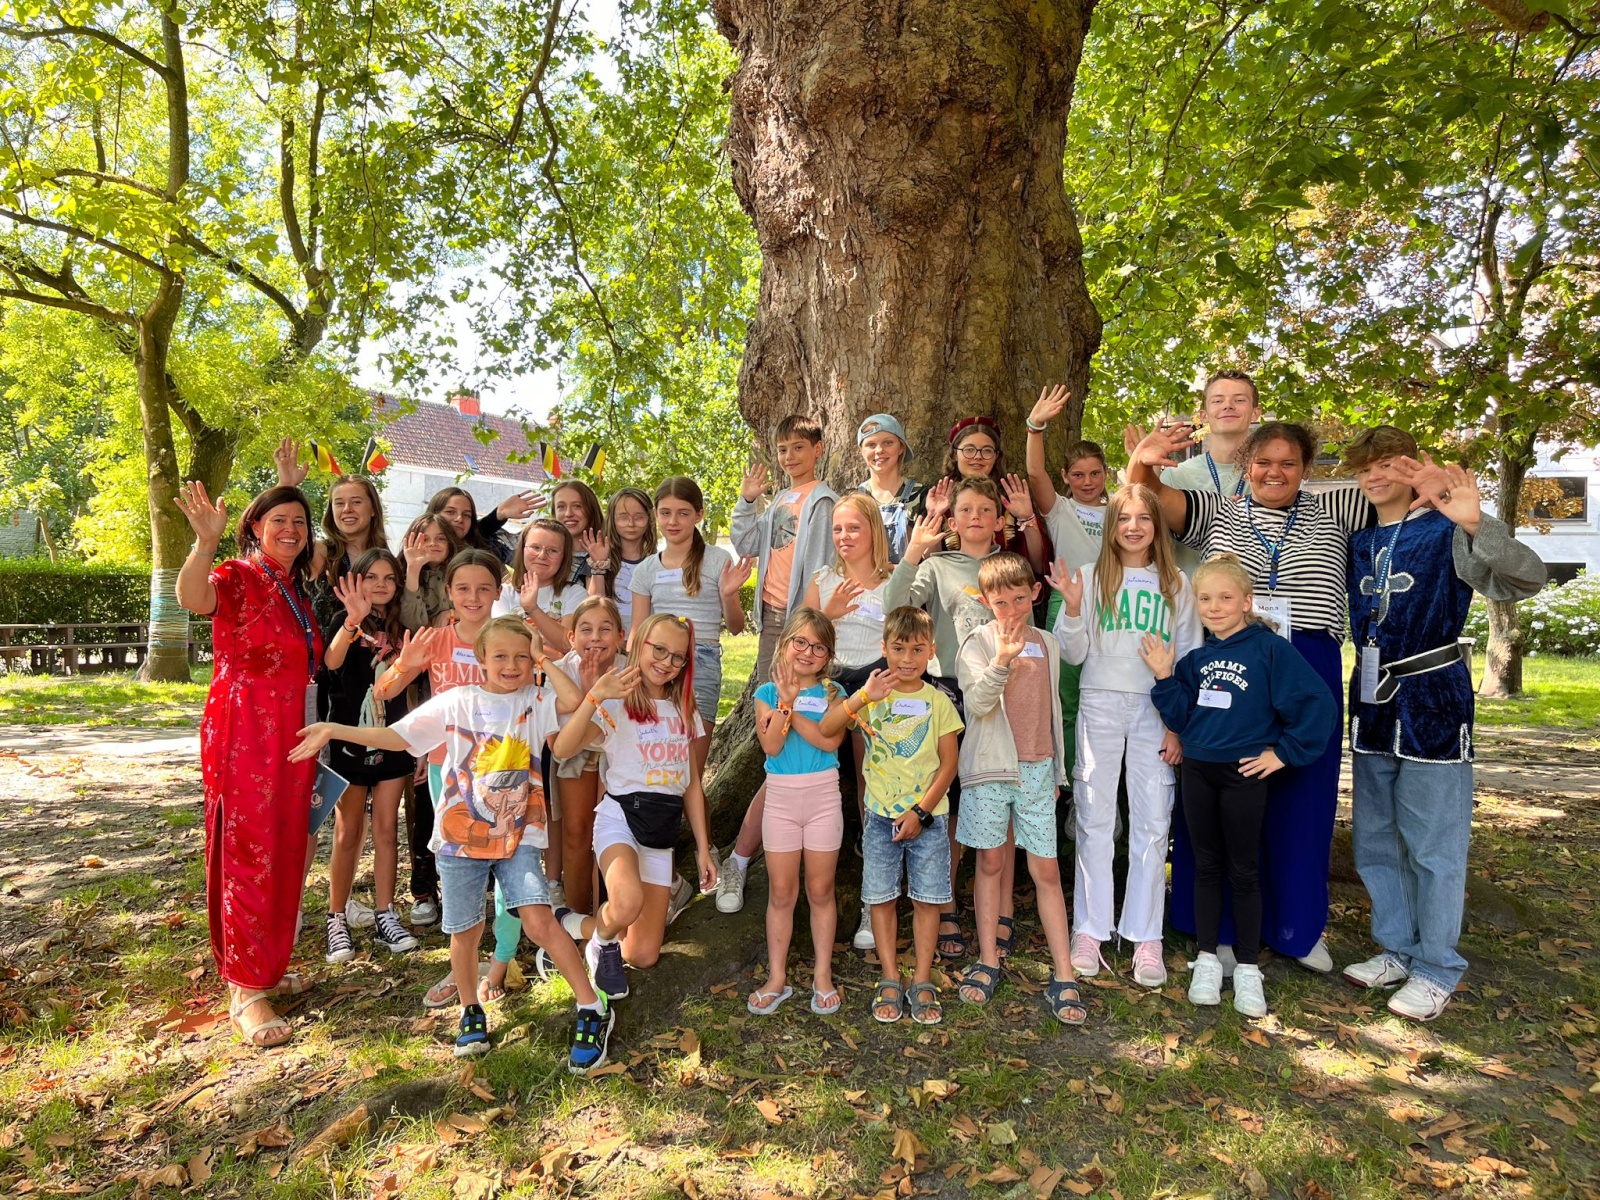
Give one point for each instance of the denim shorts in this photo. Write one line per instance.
(707, 679)
(463, 883)
(923, 862)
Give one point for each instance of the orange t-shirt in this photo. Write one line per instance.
(785, 518)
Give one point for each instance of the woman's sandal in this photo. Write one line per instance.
(981, 978)
(1065, 1002)
(253, 1035)
(951, 945)
(292, 984)
(1006, 944)
(925, 1012)
(889, 995)
(825, 1004)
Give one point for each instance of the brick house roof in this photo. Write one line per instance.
(440, 437)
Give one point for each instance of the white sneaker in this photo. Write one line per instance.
(1205, 980)
(678, 899)
(1148, 969)
(1420, 1000)
(558, 894)
(1086, 957)
(730, 887)
(1249, 998)
(1380, 971)
(425, 912)
(1319, 960)
(1226, 958)
(358, 914)
(863, 939)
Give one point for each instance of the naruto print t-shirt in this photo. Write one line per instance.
(493, 793)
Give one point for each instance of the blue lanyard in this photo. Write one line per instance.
(1382, 569)
(1216, 479)
(302, 618)
(1274, 549)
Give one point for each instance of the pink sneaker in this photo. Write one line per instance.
(1148, 968)
(1086, 957)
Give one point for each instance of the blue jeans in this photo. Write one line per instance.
(923, 862)
(519, 881)
(1411, 824)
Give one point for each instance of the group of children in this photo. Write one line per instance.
(904, 632)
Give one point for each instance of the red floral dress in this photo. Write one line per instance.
(257, 802)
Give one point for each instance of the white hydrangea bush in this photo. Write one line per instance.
(1562, 619)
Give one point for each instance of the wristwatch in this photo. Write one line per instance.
(922, 815)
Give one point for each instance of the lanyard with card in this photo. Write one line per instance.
(302, 617)
(1273, 548)
(1276, 610)
(1382, 572)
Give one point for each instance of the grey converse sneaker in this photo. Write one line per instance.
(1380, 971)
(358, 914)
(730, 887)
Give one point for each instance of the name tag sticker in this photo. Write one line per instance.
(675, 575)
(464, 655)
(811, 705)
(789, 498)
(1275, 611)
(1371, 662)
(1213, 698)
(870, 607)
(910, 708)
(1032, 650)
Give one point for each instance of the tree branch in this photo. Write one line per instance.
(106, 177)
(23, 33)
(243, 273)
(69, 296)
(84, 235)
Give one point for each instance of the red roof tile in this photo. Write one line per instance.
(436, 437)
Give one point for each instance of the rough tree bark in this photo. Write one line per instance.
(1502, 673)
(902, 165)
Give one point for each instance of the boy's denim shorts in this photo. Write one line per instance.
(463, 883)
(923, 862)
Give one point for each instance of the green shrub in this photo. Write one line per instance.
(35, 591)
(1563, 619)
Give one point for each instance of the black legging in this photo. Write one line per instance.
(1223, 811)
(424, 874)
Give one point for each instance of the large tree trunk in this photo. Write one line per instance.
(902, 164)
(1502, 674)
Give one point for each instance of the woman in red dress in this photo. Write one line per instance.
(258, 804)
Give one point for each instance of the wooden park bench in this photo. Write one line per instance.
(88, 648)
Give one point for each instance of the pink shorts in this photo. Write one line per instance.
(803, 812)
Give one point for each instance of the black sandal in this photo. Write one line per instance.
(1008, 943)
(951, 945)
(1065, 1002)
(980, 977)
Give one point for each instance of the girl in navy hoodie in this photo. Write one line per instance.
(1243, 705)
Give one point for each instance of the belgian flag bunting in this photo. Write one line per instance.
(372, 458)
(595, 460)
(325, 459)
(550, 460)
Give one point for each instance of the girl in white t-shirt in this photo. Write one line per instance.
(539, 588)
(645, 719)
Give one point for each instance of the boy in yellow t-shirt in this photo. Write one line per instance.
(911, 730)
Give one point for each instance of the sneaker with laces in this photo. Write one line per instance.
(730, 887)
(1318, 959)
(1148, 968)
(1086, 957)
(340, 948)
(425, 911)
(1249, 995)
(591, 1038)
(1205, 979)
(606, 969)
(472, 1036)
(358, 914)
(1420, 999)
(863, 939)
(390, 932)
(1380, 971)
(678, 898)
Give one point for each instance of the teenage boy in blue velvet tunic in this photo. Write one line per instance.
(1411, 581)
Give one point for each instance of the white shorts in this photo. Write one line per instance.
(611, 829)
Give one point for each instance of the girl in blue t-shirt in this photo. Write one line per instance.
(804, 817)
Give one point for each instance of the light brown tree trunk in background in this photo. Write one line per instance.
(902, 165)
(1502, 675)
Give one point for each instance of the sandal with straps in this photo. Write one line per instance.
(951, 945)
(1005, 945)
(981, 978)
(1065, 1002)
(889, 995)
(925, 1012)
(253, 1035)
(292, 984)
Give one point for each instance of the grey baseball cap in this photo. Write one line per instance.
(884, 423)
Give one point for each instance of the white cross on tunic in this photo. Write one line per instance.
(1398, 581)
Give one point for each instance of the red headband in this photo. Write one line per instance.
(962, 426)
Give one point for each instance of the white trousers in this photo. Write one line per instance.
(1118, 730)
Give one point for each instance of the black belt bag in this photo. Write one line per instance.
(653, 817)
(1390, 674)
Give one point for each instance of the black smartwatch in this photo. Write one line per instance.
(922, 815)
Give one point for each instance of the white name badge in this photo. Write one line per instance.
(910, 708)
(465, 655)
(811, 705)
(1032, 650)
(870, 607)
(1214, 698)
(789, 498)
(675, 575)
(1275, 610)
(1371, 663)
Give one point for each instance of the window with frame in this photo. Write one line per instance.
(1563, 499)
